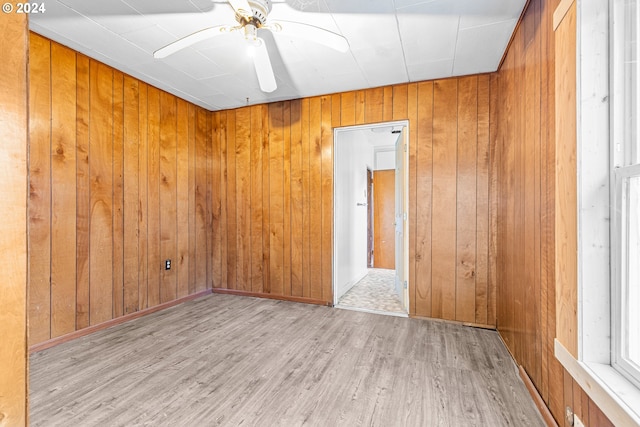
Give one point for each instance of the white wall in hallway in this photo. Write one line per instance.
(353, 155)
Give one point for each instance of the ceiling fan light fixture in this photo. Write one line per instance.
(253, 46)
(251, 16)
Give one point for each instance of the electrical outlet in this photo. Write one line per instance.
(568, 414)
(577, 422)
(167, 264)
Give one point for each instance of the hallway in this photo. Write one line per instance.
(374, 293)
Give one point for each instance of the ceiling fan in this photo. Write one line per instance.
(252, 16)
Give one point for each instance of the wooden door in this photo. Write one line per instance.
(384, 219)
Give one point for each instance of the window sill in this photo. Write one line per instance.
(616, 397)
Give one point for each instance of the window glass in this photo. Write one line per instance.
(631, 95)
(632, 286)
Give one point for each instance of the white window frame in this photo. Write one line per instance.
(620, 322)
(615, 395)
(622, 169)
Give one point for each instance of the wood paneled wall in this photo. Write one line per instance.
(566, 202)
(120, 180)
(124, 176)
(273, 221)
(13, 222)
(523, 94)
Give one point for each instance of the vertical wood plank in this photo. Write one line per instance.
(546, 265)
(154, 263)
(326, 135)
(531, 125)
(567, 395)
(597, 417)
(518, 311)
(216, 203)
(336, 109)
(183, 256)
(519, 292)
(143, 204)
(201, 200)
(296, 200)
(412, 115)
(482, 203)
(83, 183)
(387, 103)
(586, 403)
(257, 204)
(306, 199)
(360, 107)
(118, 193)
(507, 204)
(276, 198)
(347, 109)
(577, 401)
(39, 189)
(168, 196)
(286, 181)
(243, 191)
(494, 178)
(444, 199)
(232, 201)
(555, 369)
(399, 103)
(209, 212)
(224, 219)
(534, 63)
(466, 194)
(374, 100)
(131, 194)
(424, 200)
(101, 172)
(266, 205)
(550, 192)
(315, 199)
(63, 191)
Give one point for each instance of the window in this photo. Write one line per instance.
(608, 158)
(626, 185)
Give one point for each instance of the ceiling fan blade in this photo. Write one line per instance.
(311, 33)
(264, 70)
(191, 39)
(242, 8)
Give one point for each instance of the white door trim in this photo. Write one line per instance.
(399, 124)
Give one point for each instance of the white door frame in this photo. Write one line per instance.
(336, 135)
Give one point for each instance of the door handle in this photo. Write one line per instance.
(361, 204)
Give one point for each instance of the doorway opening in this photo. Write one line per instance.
(370, 251)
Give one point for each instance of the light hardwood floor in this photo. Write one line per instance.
(229, 361)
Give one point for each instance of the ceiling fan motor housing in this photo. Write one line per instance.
(260, 9)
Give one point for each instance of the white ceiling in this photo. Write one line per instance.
(391, 41)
